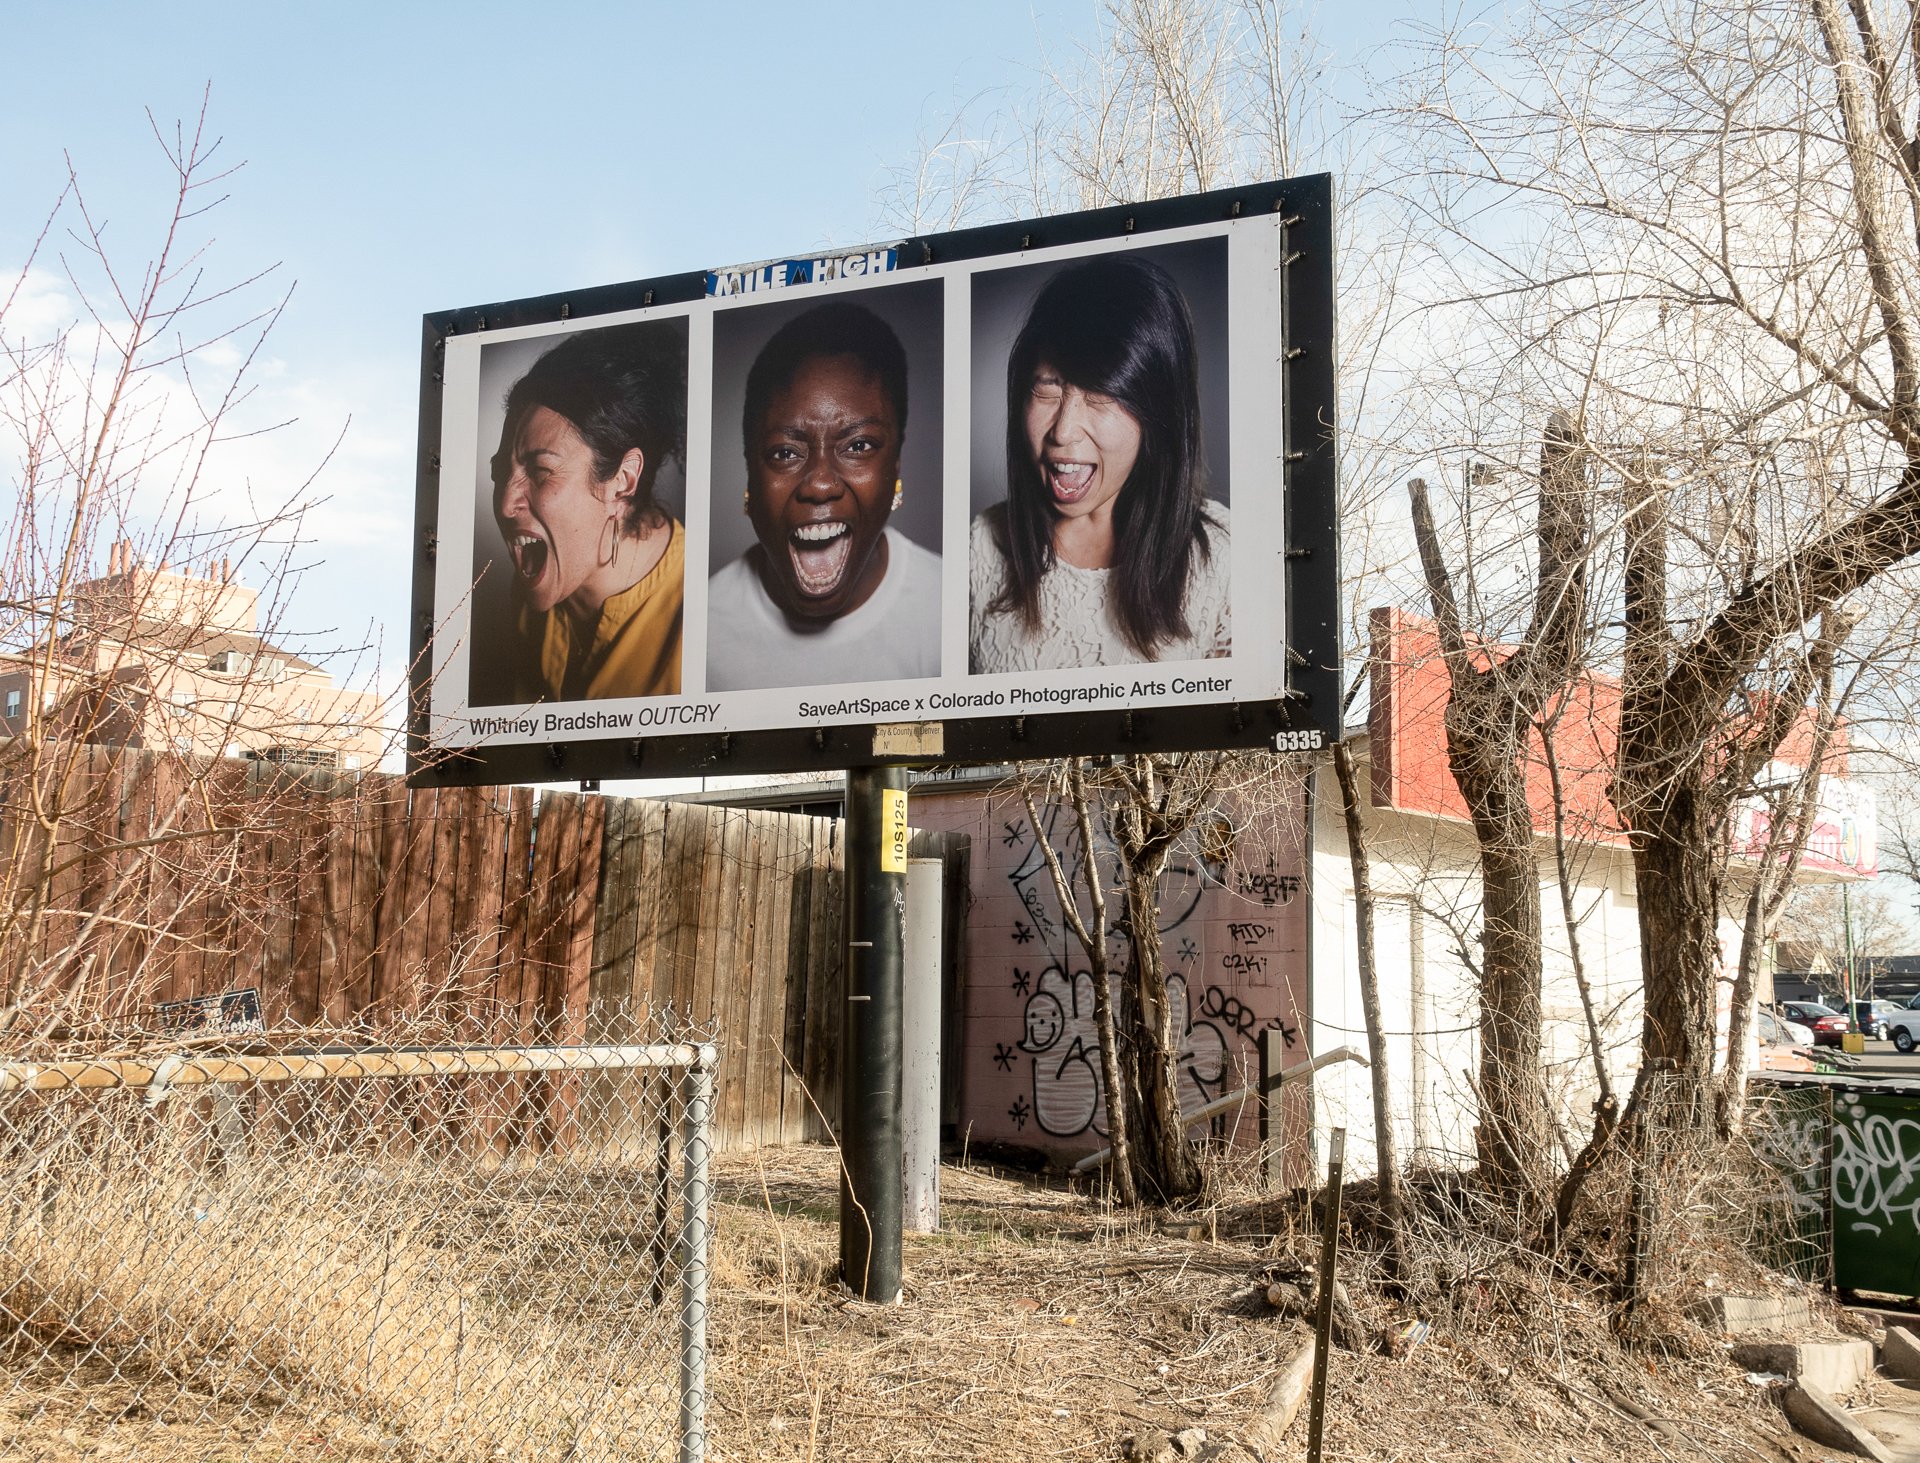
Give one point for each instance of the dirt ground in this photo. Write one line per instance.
(1036, 1325)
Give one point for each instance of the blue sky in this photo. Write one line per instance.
(407, 158)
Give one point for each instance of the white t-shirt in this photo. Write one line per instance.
(894, 636)
(1077, 623)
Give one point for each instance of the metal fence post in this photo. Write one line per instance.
(693, 1259)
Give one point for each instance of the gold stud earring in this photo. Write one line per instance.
(898, 493)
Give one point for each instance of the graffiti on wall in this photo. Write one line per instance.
(1224, 985)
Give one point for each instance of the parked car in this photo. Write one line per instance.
(1875, 1017)
(1780, 1045)
(1776, 1030)
(1826, 1024)
(1904, 1029)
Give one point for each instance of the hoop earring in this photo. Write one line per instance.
(898, 493)
(609, 554)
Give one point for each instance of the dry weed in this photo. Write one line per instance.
(1040, 1324)
(454, 1306)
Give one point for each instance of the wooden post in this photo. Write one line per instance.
(1323, 1308)
(1272, 1118)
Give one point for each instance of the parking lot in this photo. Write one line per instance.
(1879, 1060)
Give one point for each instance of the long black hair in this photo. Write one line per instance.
(622, 387)
(1116, 325)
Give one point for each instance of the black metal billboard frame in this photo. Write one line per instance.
(1309, 474)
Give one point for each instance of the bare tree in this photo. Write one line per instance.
(1698, 221)
(1497, 700)
(1359, 857)
(1792, 807)
(120, 607)
(1172, 97)
(1065, 784)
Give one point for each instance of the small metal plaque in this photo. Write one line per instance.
(910, 739)
(893, 835)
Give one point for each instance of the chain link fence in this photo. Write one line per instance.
(336, 1252)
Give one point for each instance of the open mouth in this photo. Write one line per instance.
(819, 552)
(529, 555)
(1068, 481)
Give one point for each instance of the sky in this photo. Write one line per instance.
(406, 158)
(400, 159)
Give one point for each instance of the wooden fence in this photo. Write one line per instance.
(352, 901)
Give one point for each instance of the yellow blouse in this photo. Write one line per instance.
(636, 641)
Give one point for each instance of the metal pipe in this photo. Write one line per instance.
(871, 1146)
(191, 1071)
(696, 1148)
(920, 1051)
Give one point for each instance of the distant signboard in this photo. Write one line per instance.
(1057, 486)
(231, 1013)
(1844, 838)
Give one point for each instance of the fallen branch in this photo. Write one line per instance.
(1234, 1099)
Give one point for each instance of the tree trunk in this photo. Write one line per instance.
(1386, 1162)
(1494, 701)
(1164, 1159)
(1677, 881)
(1089, 928)
(1482, 749)
(1755, 931)
(1514, 1132)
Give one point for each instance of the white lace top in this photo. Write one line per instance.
(1077, 625)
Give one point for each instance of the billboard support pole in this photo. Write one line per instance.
(872, 1038)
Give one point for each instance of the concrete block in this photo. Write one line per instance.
(1816, 1415)
(1833, 1366)
(1737, 1315)
(1900, 1354)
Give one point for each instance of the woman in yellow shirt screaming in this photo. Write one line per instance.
(599, 567)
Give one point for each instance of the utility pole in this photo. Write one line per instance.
(871, 1145)
(1846, 921)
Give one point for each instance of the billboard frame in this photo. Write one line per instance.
(1304, 716)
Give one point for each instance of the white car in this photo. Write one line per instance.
(1904, 1027)
(1775, 1030)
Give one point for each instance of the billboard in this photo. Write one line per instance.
(1060, 486)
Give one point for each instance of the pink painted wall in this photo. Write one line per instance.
(1235, 935)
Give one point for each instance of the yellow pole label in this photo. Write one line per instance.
(893, 825)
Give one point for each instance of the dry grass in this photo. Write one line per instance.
(452, 1310)
(1036, 1325)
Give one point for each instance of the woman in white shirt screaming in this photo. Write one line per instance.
(1107, 550)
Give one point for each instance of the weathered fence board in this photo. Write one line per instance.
(348, 899)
